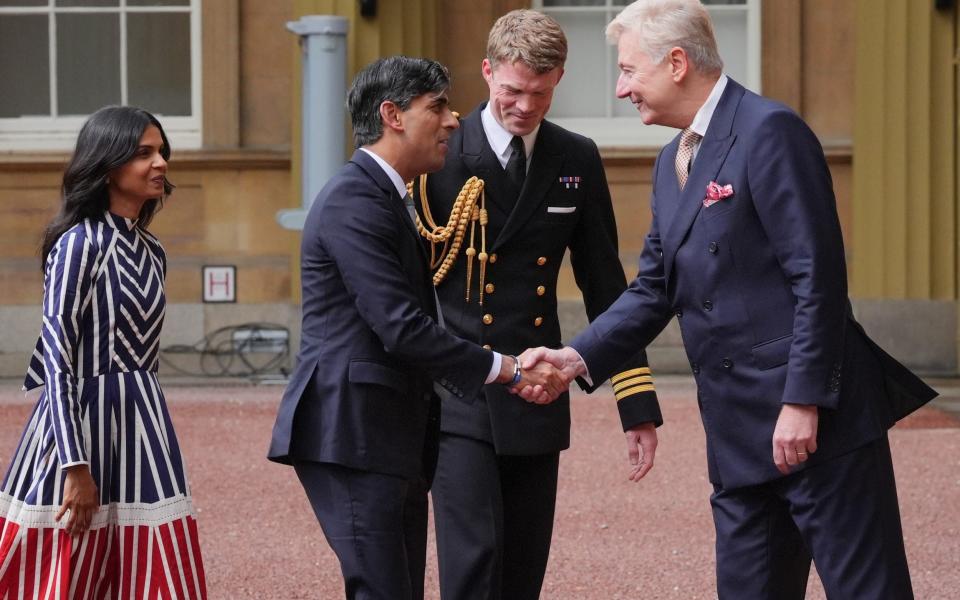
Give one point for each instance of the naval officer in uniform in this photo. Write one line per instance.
(520, 191)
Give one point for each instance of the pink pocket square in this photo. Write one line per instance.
(716, 193)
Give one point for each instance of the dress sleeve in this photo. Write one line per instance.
(66, 287)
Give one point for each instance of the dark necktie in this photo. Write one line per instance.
(412, 211)
(517, 163)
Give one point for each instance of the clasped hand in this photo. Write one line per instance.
(546, 373)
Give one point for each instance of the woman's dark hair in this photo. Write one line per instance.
(108, 139)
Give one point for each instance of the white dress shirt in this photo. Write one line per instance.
(499, 138)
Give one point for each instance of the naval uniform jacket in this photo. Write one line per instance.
(526, 242)
(360, 395)
(759, 285)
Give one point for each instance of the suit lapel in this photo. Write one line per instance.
(710, 157)
(394, 201)
(544, 169)
(481, 161)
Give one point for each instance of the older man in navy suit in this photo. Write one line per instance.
(358, 420)
(745, 249)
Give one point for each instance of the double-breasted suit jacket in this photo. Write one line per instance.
(758, 283)
(360, 394)
(564, 204)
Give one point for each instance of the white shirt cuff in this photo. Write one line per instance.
(586, 372)
(495, 368)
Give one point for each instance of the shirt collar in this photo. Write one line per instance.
(499, 138)
(118, 222)
(391, 173)
(702, 119)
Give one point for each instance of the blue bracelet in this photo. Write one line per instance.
(517, 374)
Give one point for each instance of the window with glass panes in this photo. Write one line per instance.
(61, 60)
(585, 100)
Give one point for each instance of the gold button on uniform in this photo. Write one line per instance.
(488, 288)
(487, 319)
(538, 322)
(487, 347)
(493, 258)
(542, 260)
(541, 290)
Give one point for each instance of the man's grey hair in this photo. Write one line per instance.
(664, 24)
(399, 79)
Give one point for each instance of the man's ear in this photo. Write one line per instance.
(677, 57)
(390, 115)
(486, 69)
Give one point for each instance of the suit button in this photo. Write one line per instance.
(542, 260)
(541, 290)
(726, 363)
(713, 247)
(696, 368)
(487, 319)
(679, 313)
(493, 258)
(707, 305)
(488, 288)
(538, 322)
(487, 347)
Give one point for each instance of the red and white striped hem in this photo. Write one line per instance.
(112, 561)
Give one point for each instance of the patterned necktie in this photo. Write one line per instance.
(688, 139)
(517, 163)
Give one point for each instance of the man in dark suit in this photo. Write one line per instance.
(745, 249)
(357, 420)
(544, 192)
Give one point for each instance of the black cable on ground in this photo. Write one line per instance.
(223, 353)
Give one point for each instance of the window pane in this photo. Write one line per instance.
(731, 30)
(581, 92)
(158, 62)
(87, 2)
(158, 2)
(24, 66)
(88, 62)
(23, 2)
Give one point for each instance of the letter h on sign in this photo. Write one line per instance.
(219, 283)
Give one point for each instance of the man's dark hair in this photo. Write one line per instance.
(399, 79)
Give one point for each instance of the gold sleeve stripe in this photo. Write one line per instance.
(633, 390)
(623, 375)
(632, 381)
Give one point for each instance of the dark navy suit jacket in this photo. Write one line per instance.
(759, 284)
(360, 394)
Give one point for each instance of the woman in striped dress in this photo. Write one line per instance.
(95, 502)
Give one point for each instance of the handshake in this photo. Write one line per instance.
(544, 374)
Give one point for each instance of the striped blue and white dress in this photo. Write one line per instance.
(101, 405)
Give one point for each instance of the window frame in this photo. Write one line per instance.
(629, 131)
(58, 133)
